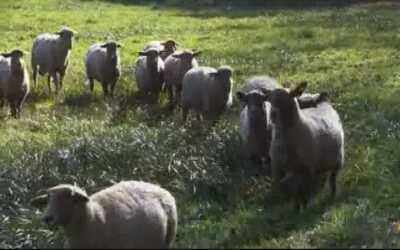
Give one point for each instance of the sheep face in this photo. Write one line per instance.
(169, 45)
(187, 56)
(255, 101)
(62, 201)
(17, 61)
(223, 76)
(111, 48)
(66, 35)
(152, 56)
(284, 104)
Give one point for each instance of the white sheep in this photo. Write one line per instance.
(14, 80)
(129, 214)
(306, 143)
(176, 66)
(50, 56)
(167, 47)
(149, 69)
(207, 91)
(102, 63)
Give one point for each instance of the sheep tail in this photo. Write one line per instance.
(171, 226)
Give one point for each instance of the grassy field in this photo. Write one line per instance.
(223, 201)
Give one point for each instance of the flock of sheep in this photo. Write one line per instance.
(296, 136)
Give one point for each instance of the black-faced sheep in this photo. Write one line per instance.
(50, 56)
(255, 125)
(129, 214)
(305, 142)
(14, 80)
(103, 64)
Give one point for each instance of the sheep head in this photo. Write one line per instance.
(170, 45)
(111, 48)
(17, 61)
(66, 35)
(284, 103)
(61, 203)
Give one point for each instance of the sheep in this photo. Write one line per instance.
(255, 125)
(305, 142)
(149, 69)
(168, 47)
(14, 80)
(176, 66)
(129, 214)
(103, 64)
(50, 56)
(207, 91)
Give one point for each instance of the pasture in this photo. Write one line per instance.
(223, 200)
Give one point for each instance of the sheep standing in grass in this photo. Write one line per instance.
(14, 80)
(207, 91)
(130, 214)
(103, 64)
(50, 56)
(149, 69)
(167, 47)
(305, 142)
(176, 66)
(255, 125)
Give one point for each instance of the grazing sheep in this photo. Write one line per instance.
(14, 80)
(103, 64)
(305, 142)
(167, 47)
(176, 66)
(255, 125)
(129, 214)
(206, 91)
(149, 69)
(50, 56)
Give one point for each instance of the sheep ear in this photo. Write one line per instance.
(213, 74)
(241, 96)
(6, 55)
(119, 45)
(142, 53)
(40, 201)
(197, 53)
(105, 45)
(79, 196)
(299, 90)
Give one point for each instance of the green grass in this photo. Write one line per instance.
(353, 53)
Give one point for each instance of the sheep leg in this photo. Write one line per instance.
(56, 82)
(62, 75)
(105, 88)
(91, 84)
(48, 82)
(178, 93)
(170, 97)
(13, 107)
(112, 86)
(34, 73)
(332, 182)
(185, 112)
